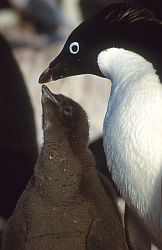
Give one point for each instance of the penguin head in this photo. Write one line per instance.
(77, 57)
(118, 25)
(63, 115)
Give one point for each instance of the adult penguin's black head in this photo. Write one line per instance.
(118, 25)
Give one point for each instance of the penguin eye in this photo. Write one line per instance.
(68, 111)
(74, 48)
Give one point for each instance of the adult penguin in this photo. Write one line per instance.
(124, 44)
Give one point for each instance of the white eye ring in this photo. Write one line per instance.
(74, 48)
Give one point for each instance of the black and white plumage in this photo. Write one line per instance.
(124, 43)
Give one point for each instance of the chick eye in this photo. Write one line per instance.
(74, 48)
(68, 110)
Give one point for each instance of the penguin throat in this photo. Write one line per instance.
(123, 67)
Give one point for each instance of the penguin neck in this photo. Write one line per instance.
(54, 156)
(136, 37)
(55, 142)
(127, 70)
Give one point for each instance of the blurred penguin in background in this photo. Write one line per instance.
(45, 15)
(18, 147)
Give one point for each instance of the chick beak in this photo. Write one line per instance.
(48, 94)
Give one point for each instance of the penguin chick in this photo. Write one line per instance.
(64, 206)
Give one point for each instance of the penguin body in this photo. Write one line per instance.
(134, 155)
(64, 205)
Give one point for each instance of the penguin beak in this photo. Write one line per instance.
(46, 76)
(62, 66)
(46, 93)
(56, 70)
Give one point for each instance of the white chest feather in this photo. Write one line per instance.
(133, 132)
